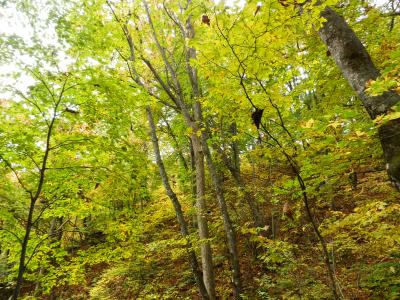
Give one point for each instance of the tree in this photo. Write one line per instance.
(178, 209)
(357, 67)
(47, 102)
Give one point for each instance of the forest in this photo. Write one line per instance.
(198, 149)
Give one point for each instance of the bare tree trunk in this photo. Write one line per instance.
(206, 254)
(235, 148)
(175, 93)
(193, 179)
(178, 209)
(228, 226)
(357, 67)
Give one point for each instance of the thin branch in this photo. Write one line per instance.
(75, 167)
(42, 211)
(391, 14)
(52, 94)
(69, 142)
(132, 70)
(245, 91)
(282, 124)
(176, 82)
(32, 159)
(12, 233)
(18, 92)
(177, 23)
(34, 250)
(21, 183)
(160, 81)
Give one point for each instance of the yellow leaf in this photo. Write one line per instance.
(335, 124)
(309, 124)
(360, 133)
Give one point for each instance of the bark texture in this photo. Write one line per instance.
(357, 67)
(175, 93)
(228, 225)
(215, 178)
(205, 248)
(177, 206)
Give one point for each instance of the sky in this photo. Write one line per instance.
(12, 22)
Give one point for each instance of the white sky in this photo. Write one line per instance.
(12, 22)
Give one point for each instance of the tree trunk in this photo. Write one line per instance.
(206, 254)
(193, 179)
(178, 209)
(199, 164)
(233, 166)
(55, 235)
(228, 226)
(35, 196)
(178, 148)
(357, 67)
(179, 99)
(253, 205)
(21, 268)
